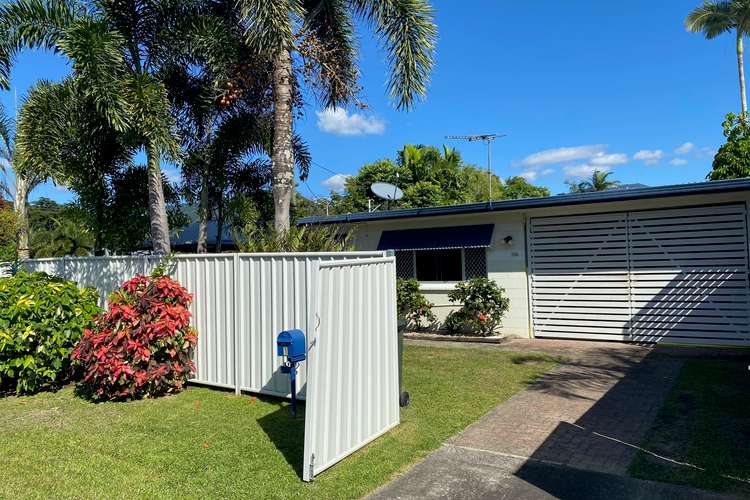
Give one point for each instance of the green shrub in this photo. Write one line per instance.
(483, 306)
(41, 320)
(413, 306)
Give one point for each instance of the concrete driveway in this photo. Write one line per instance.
(571, 434)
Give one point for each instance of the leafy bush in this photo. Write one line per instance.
(413, 306)
(141, 347)
(41, 320)
(483, 306)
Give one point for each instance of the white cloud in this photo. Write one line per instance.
(335, 182)
(685, 148)
(677, 162)
(560, 155)
(339, 121)
(533, 174)
(649, 156)
(602, 159)
(584, 170)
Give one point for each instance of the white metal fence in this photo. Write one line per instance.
(240, 303)
(352, 360)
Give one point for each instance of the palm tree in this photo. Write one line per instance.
(115, 50)
(597, 182)
(322, 34)
(723, 16)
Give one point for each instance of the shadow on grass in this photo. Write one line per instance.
(286, 433)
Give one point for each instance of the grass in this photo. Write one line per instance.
(209, 443)
(704, 422)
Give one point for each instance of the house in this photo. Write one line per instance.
(650, 264)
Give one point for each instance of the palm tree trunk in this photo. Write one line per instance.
(21, 204)
(203, 217)
(741, 70)
(157, 207)
(283, 156)
(219, 226)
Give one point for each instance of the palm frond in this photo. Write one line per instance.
(269, 24)
(97, 55)
(32, 24)
(329, 48)
(712, 18)
(410, 37)
(151, 118)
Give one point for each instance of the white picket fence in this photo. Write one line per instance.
(240, 304)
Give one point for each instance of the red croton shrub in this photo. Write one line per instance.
(141, 347)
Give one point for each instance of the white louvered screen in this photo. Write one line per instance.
(678, 275)
(580, 277)
(688, 270)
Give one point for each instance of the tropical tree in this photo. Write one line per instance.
(6, 154)
(321, 33)
(724, 16)
(599, 181)
(116, 51)
(732, 161)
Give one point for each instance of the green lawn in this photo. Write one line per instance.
(705, 422)
(209, 443)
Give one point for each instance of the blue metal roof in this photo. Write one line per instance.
(431, 238)
(713, 187)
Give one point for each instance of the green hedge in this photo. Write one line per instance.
(41, 320)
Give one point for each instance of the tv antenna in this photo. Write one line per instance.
(487, 139)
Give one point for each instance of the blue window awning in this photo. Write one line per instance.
(437, 238)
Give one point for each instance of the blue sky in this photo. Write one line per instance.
(576, 85)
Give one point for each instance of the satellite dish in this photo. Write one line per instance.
(386, 191)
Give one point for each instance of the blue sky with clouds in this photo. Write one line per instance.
(576, 85)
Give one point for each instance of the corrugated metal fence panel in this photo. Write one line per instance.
(239, 300)
(210, 279)
(579, 276)
(689, 274)
(352, 384)
(5, 269)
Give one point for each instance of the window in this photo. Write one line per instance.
(442, 265)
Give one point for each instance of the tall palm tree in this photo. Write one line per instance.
(6, 154)
(321, 33)
(724, 16)
(597, 182)
(115, 49)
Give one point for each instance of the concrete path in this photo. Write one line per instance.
(571, 434)
(457, 472)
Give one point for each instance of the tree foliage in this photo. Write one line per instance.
(732, 161)
(599, 181)
(428, 177)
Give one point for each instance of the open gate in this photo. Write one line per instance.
(352, 363)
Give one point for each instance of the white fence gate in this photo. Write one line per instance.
(352, 388)
(240, 304)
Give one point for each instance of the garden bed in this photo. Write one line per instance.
(447, 337)
(210, 443)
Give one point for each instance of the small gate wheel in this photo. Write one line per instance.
(404, 400)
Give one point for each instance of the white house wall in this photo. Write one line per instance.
(507, 264)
